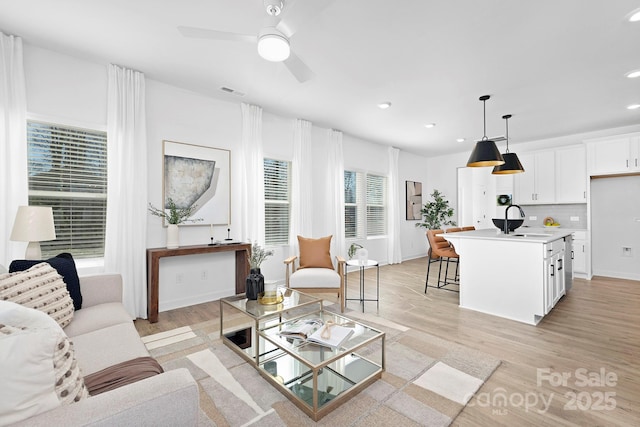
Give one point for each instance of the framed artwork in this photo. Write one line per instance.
(201, 176)
(414, 200)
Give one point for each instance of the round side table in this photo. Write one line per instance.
(361, 266)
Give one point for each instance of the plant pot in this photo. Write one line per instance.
(254, 284)
(173, 236)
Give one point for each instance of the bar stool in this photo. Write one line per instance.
(439, 249)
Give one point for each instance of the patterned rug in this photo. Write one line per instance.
(427, 381)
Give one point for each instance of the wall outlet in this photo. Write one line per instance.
(626, 251)
(179, 278)
(574, 218)
(533, 218)
(203, 275)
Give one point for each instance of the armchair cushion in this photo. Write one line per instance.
(315, 253)
(314, 278)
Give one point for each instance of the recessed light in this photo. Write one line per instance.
(633, 107)
(633, 74)
(635, 16)
(460, 140)
(384, 105)
(430, 125)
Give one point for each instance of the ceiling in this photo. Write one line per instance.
(557, 66)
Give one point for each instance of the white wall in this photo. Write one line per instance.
(73, 91)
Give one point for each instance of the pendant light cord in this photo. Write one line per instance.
(506, 120)
(484, 119)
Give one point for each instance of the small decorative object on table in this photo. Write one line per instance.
(255, 280)
(174, 217)
(353, 249)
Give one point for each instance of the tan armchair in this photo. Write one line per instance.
(315, 272)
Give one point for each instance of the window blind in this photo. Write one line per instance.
(68, 171)
(276, 201)
(376, 205)
(365, 204)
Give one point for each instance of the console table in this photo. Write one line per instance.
(242, 251)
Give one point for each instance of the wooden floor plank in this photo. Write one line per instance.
(594, 328)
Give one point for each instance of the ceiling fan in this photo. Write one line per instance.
(273, 40)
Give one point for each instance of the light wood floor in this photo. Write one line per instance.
(593, 330)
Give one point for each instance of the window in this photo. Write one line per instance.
(68, 171)
(365, 197)
(276, 201)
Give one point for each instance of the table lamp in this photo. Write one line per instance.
(33, 224)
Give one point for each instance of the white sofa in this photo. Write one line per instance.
(103, 335)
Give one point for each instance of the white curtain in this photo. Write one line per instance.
(13, 143)
(252, 175)
(335, 201)
(301, 184)
(126, 239)
(394, 252)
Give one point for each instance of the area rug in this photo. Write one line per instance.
(427, 381)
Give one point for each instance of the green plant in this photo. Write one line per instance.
(436, 213)
(258, 254)
(176, 215)
(352, 249)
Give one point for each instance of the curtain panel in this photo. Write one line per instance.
(13, 143)
(252, 173)
(335, 199)
(125, 237)
(394, 253)
(301, 184)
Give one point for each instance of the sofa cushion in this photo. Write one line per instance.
(108, 346)
(37, 364)
(64, 265)
(39, 287)
(97, 317)
(315, 253)
(314, 278)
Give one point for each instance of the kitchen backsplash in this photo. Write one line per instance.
(560, 213)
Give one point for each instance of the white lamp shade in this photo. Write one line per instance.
(33, 224)
(273, 45)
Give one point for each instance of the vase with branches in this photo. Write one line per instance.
(255, 281)
(436, 213)
(174, 217)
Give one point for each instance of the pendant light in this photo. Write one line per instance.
(511, 162)
(485, 153)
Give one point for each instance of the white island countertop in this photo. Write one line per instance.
(522, 234)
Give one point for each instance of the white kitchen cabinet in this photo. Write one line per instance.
(614, 155)
(554, 283)
(571, 174)
(580, 249)
(537, 184)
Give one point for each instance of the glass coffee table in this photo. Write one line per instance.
(317, 379)
(241, 319)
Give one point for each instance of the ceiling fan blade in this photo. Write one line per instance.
(295, 16)
(204, 33)
(298, 68)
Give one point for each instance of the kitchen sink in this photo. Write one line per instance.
(531, 235)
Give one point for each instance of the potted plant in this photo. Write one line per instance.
(436, 213)
(255, 281)
(174, 217)
(353, 249)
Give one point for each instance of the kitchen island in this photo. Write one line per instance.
(518, 276)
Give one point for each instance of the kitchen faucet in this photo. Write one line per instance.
(506, 217)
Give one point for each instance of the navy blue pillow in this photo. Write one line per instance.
(66, 267)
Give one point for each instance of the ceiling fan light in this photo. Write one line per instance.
(273, 45)
(511, 165)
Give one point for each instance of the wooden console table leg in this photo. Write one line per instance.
(153, 273)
